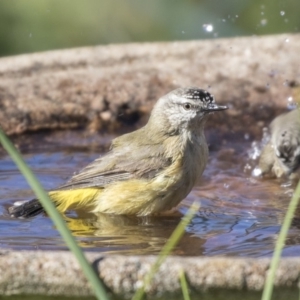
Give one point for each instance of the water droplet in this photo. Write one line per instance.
(254, 151)
(208, 27)
(291, 104)
(256, 172)
(264, 22)
(247, 167)
(282, 13)
(266, 136)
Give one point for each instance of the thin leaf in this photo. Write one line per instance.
(168, 247)
(269, 284)
(51, 210)
(184, 286)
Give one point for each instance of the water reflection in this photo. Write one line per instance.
(129, 234)
(240, 215)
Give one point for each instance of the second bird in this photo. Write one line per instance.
(146, 171)
(281, 155)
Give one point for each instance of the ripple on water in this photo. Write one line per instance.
(239, 215)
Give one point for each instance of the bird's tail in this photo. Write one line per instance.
(27, 209)
(79, 199)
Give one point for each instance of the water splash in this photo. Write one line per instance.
(291, 104)
(256, 172)
(247, 167)
(254, 153)
(257, 146)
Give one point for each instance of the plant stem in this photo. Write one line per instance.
(55, 216)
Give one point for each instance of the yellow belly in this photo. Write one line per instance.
(132, 197)
(136, 196)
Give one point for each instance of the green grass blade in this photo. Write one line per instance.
(166, 250)
(184, 286)
(51, 210)
(269, 284)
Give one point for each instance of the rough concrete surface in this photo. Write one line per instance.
(106, 87)
(58, 273)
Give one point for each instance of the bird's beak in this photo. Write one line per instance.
(214, 107)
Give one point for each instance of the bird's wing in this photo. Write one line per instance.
(119, 165)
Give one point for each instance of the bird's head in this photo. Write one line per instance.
(185, 108)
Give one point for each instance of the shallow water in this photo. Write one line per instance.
(239, 216)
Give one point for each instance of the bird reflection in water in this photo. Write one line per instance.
(130, 234)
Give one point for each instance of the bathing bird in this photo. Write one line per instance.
(281, 155)
(147, 171)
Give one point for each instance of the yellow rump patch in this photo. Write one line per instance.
(75, 199)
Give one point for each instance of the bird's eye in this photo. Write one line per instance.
(187, 106)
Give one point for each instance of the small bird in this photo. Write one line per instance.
(147, 171)
(281, 155)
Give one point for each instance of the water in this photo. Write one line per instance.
(239, 216)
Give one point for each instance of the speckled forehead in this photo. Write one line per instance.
(197, 94)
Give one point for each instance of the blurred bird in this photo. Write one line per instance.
(146, 171)
(281, 155)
